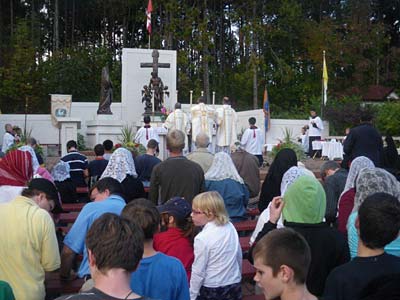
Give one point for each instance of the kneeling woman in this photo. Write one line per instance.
(216, 270)
(223, 178)
(121, 167)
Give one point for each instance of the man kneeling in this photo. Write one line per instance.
(115, 247)
(282, 258)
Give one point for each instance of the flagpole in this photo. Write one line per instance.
(322, 84)
(149, 10)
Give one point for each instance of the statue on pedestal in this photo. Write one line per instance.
(155, 89)
(146, 98)
(105, 93)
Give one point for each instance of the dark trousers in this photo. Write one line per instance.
(260, 159)
(228, 292)
(312, 152)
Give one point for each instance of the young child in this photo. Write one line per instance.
(282, 258)
(216, 270)
(176, 236)
(158, 276)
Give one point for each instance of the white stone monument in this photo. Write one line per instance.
(136, 73)
(137, 66)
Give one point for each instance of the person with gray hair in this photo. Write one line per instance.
(203, 120)
(201, 155)
(179, 120)
(33, 143)
(176, 176)
(334, 180)
(8, 138)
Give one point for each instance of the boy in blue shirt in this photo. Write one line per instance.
(158, 276)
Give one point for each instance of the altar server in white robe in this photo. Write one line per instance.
(180, 121)
(146, 133)
(203, 120)
(226, 131)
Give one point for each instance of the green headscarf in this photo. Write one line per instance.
(305, 201)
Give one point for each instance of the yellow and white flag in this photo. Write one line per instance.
(324, 79)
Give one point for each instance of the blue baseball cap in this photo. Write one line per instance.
(177, 207)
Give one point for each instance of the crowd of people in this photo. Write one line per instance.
(165, 230)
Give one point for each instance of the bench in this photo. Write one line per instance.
(68, 218)
(82, 190)
(244, 243)
(254, 297)
(248, 225)
(63, 229)
(55, 286)
(73, 206)
(248, 271)
(253, 212)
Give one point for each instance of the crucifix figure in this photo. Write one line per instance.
(156, 85)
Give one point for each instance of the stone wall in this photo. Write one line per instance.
(46, 133)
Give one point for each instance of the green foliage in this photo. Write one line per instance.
(342, 113)
(127, 135)
(78, 72)
(387, 119)
(218, 43)
(25, 135)
(288, 142)
(128, 143)
(81, 143)
(20, 81)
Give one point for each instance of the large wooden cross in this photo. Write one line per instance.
(155, 64)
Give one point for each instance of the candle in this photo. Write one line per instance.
(213, 100)
(152, 103)
(202, 93)
(191, 98)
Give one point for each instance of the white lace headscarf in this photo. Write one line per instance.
(35, 162)
(120, 165)
(374, 180)
(289, 177)
(60, 171)
(223, 168)
(356, 166)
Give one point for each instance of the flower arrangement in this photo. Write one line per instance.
(288, 142)
(164, 113)
(127, 142)
(135, 148)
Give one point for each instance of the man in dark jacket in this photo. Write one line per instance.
(334, 179)
(364, 140)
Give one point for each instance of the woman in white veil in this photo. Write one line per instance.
(223, 178)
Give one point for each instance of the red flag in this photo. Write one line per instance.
(148, 15)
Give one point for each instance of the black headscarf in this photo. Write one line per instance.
(284, 160)
(391, 157)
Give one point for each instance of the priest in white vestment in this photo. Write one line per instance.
(226, 131)
(203, 120)
(180, 121)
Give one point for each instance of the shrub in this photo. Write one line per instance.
(387, 119)
(344, 112)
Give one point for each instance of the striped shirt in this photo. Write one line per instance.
(77, 163)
